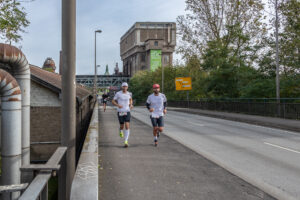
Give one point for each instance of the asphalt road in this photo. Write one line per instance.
(265, 157)
(170, 171)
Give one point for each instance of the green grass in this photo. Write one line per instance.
(53, 188)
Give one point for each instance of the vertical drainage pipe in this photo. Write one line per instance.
(11, 104)
(15, 62)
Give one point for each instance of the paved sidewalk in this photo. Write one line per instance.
(170, 171)
(286, 124)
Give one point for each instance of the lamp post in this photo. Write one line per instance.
(68, 117)
(277, 59)
(95, 78)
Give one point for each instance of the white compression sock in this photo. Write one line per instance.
(127, 133)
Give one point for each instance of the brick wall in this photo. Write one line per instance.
(45, 125)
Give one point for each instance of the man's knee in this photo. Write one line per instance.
(160, 129)
(127, 125)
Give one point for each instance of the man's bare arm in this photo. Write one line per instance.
(130, 103)
(116, 104)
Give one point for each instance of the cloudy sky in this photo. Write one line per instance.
(114, 17)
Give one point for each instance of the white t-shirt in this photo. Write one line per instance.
(157, 102)
(123, 100)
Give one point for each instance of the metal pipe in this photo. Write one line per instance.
(15, 62)
(11, 105)
(95, 76)
(68, 131)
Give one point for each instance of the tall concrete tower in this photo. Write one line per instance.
(147, 46)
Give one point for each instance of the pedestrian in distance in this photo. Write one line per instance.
(157, 106)
(104, 101)
(123, 100)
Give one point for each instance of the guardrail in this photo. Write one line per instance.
(38, 188)
(262, 107)
(13, 188)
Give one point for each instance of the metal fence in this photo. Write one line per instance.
(56, 166)
(38, 188)
(289, 108)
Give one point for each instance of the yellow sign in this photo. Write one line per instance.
(183, 83)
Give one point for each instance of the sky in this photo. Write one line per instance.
(114, 17)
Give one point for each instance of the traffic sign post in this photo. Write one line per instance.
(184, 84)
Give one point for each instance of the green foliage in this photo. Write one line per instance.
(12, 20)
(290, 36)
(290, 86)
(140, 85)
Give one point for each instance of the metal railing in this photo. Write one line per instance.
(38, 188)
(13, 188)
(289, 108)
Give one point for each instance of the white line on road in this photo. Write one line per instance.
(274, 145)
(196, 124)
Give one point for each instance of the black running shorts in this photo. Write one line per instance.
(124, 118)
(157, 122)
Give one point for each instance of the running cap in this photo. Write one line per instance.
(156, 86)
(124, 84)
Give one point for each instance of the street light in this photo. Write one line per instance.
(277, 59)
(97, 66)
(95, 78)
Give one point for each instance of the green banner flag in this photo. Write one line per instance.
(155, 59)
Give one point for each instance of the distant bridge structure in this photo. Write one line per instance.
(103, 81)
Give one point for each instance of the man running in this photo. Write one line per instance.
(156, 104)
(123, 100)
(104, 101)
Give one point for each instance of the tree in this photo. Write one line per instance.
(140, 85)
(231, 22)
(290, 36)
(12, 20)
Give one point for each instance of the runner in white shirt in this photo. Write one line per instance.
(156, 104)
(123, 100)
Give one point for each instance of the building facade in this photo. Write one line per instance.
(147, 46)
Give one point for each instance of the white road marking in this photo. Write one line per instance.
(274, 145)
(196, 124)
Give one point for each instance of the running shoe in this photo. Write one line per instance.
(155, 143)
(121, 134)
(126, 144)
